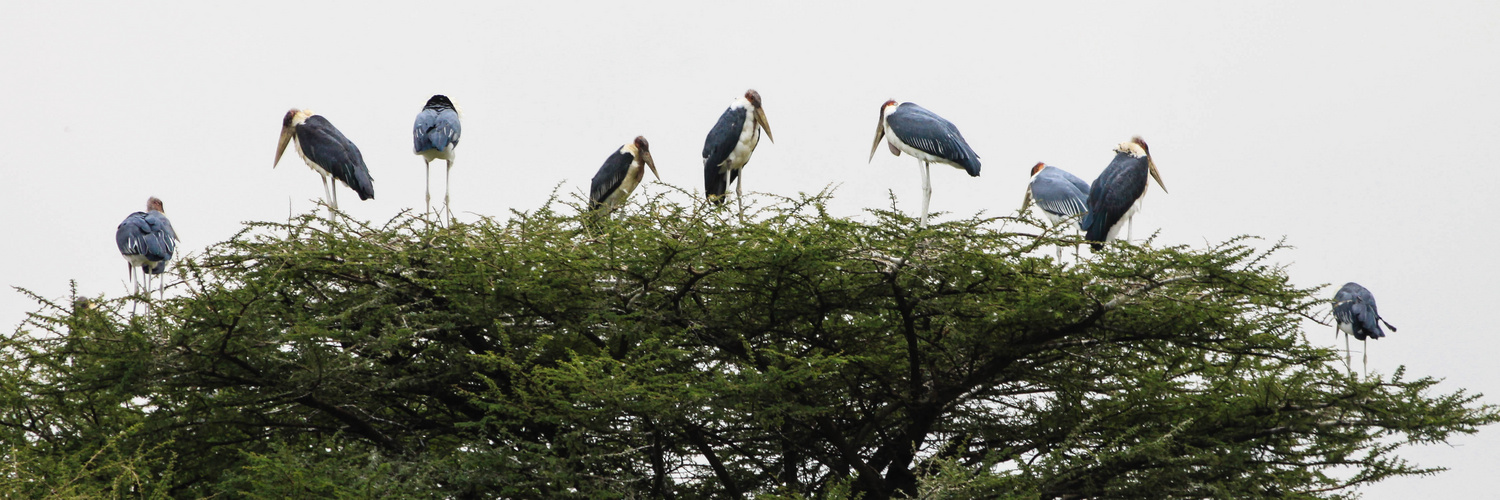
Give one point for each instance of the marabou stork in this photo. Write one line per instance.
(923, 134)
(727, 148)
(620, 174)
(327, 152)
(434, 136)
(1116, 195)
(147, 241)
(1059, 194)
(1355, 314)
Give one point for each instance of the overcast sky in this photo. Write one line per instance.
(1364, 134)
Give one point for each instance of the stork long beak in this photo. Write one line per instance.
(879, 134)
(652, 163)
(1026, 202)
(286, 138)
(760, 118)
(1154, 174)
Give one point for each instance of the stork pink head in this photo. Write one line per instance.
(154, 203)
(643, 151)
(880, 130)
(753, 96)
(1038, 168)
(1150, 162)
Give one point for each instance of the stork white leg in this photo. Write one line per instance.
(739, 196)
(1366, 352)
(327, 196)
(134, 288)
(429, 186)
(1130, 229)
(447, 186)
(926, 190)
(333, 187)
(1347, 353)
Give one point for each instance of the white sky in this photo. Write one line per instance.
(1338, 126)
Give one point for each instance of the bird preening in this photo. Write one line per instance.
(1355, 315)
(912, 129)
(434, 136)
(621, 173)
(1116, 194)
(147, 242)
(729, 144)
(327, 152)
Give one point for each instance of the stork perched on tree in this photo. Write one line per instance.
(1116, 195)
(1059, 194)
(147, 241)
(727, 148)
(327, 152)
(1355, 315)
(434, 136)
(914, 130)
(620, 174)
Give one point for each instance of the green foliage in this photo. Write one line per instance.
(687, 351)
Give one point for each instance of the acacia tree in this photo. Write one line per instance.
(685, 351)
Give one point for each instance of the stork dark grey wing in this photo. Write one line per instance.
(326, 146)
(435, 128)
(163, 229)
(611, 175)
(1355, 311)
(148, 235)
(716, 148)
(930, 133)
(1060, 193)
(1113, 193)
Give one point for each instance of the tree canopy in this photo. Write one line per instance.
(687, 351)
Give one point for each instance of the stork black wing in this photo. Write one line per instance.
(611, 175)
(1113, 193)
(716, 148)
(327, 147)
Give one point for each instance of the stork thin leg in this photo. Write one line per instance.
(926, 190)
(134, 287)
(327, 196)
(1347, 353)
(1365, 350)
(447, 187)
(1130, 229)
(739, 196)
(429, 187)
